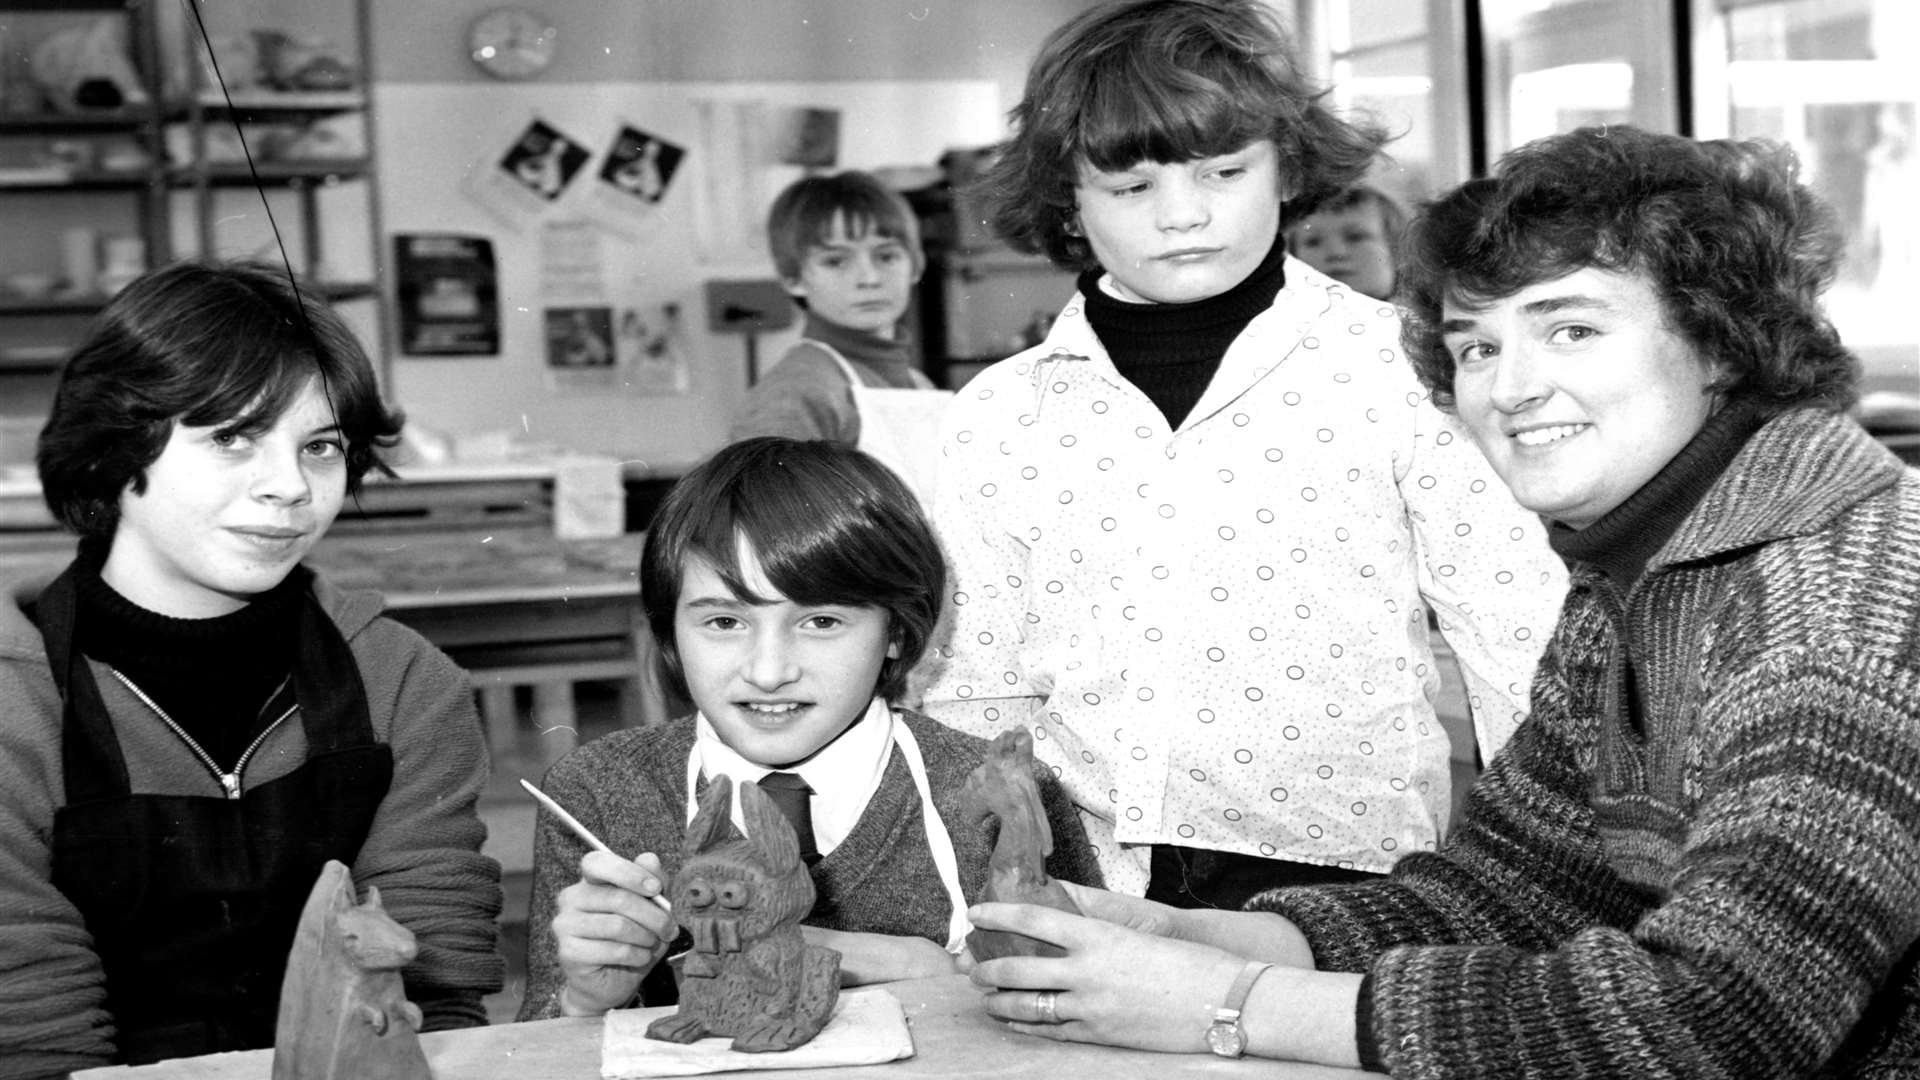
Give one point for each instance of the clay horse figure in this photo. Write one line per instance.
(1002, 786)
(343, 1012)
(749, 975)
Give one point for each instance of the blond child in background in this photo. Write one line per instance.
(1353, 238)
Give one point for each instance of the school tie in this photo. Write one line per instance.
(794, 798)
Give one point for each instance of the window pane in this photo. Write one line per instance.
(1370, 22)
(1834, 79)
(1555, 66)
(1393, 85)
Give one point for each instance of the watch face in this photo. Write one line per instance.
(1226, 1039)
(512, 42)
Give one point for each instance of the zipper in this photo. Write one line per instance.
(229, 781)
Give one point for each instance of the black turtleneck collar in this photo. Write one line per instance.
(1171, 351)
(1627, 537)
(1234, 308)
(210, 675)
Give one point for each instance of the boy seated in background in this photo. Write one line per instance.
(791, 586)
(1353, 238)
(848, 249)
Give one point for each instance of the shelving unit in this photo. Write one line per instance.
(175, 179)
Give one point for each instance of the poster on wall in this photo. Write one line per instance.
(530, 175)
(648, 345)
(448, 295)
(580, 347)
(635, 349)
(633, 177)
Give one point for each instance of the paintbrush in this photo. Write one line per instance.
(581, 831)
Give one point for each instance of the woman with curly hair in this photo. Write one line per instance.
(1700, 855)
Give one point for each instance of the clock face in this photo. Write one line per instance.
(512, 42)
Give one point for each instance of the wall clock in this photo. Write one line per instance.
(511, 42)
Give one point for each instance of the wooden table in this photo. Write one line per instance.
(515, 606)
(953, 1038)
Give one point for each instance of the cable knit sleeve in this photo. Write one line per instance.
(423, 851)
(1794, 895)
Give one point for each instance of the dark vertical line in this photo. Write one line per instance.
(1476, 56)
(1683, 65)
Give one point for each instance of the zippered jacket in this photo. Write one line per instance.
(422, 853)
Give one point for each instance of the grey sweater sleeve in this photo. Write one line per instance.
(805, 396)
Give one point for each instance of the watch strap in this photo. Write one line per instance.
(1226, 1026)
(1229, 1010)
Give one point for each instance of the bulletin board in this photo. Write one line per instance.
(606, 208)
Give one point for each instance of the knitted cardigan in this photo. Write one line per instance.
(1734, 892)
(630, 789)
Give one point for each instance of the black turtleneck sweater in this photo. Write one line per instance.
(213, 677)
(1626, 538)
(1170, 351)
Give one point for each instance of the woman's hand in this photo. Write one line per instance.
(609, 931)
(1259, 935)
(1117, 985)
(871, 958)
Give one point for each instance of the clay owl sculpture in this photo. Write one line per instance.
(1002, 787)
(749, 975)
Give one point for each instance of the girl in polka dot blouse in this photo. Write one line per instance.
(1197, 533)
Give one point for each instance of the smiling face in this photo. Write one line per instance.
(227, 514)
(1576, 391)
(861, 281)
(778, 680)
(1348, 245)
(1173, 233)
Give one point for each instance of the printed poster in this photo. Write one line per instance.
(633, 177)
(530, 174)
(448, 295)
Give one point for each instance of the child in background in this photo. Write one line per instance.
(195, 722)
(791, 586)
(1353, 238)
(848, 249)
(1195, 531)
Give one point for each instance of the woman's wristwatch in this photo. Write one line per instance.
(1225, 1036)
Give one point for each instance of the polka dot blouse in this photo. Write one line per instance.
(1219, 635)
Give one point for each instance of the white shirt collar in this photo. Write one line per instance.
(844, 775)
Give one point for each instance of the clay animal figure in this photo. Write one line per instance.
(749, 975)
(1002, 787)
(343, 1012)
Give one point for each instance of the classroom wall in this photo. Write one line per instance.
(911, 80)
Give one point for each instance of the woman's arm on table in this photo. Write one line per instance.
(1121, 985)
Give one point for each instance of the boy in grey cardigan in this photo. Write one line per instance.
(791, 586)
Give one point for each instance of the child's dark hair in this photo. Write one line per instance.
(200, 344)
(802, 217)
(1163, 81)
(829, 525)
